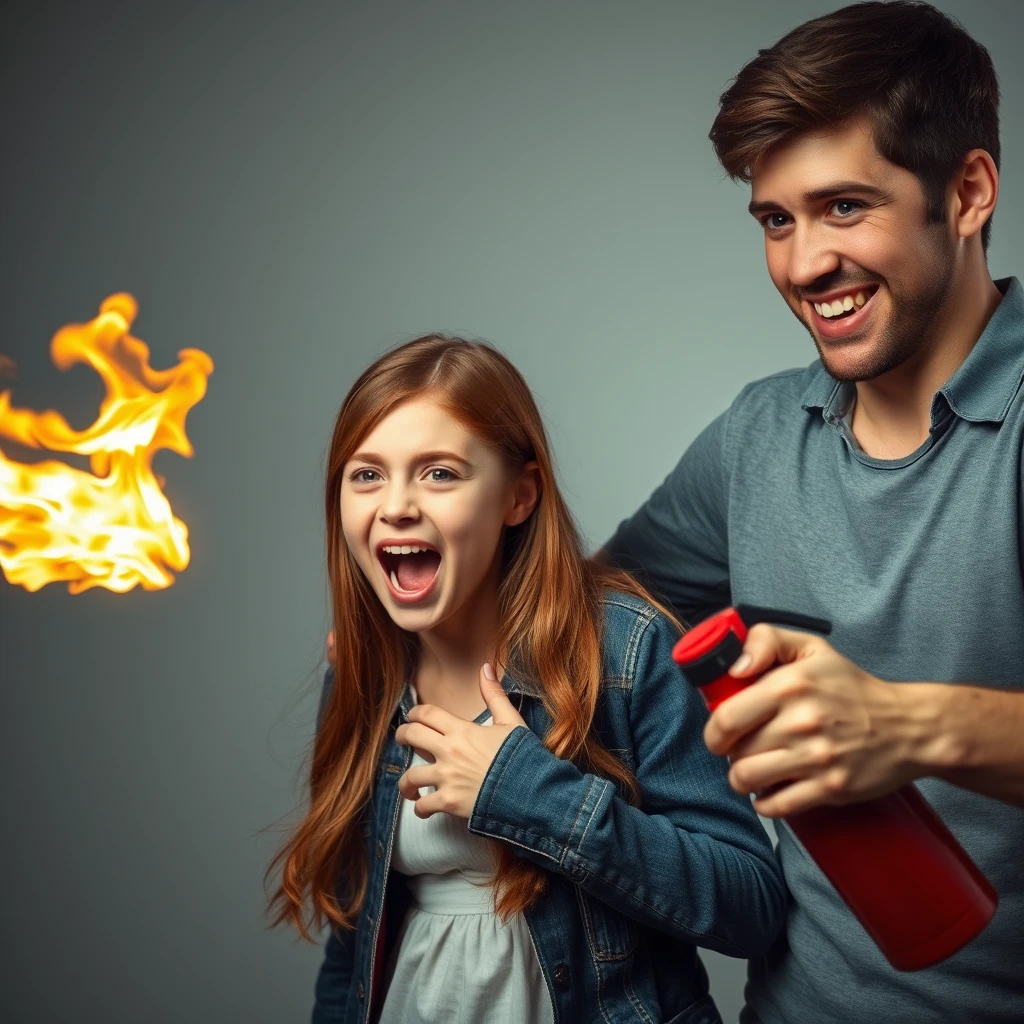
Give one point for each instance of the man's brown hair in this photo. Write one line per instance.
(929, 89)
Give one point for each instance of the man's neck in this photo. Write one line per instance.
(892, 415)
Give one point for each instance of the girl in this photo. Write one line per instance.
(542, 839)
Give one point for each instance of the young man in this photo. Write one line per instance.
(879, 488)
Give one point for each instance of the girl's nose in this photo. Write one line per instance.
(399, 506)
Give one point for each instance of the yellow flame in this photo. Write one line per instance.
(113, 527)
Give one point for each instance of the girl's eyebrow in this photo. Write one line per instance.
(432, 456)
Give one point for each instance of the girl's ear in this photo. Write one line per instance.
(525, 495)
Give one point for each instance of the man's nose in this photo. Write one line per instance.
(811, 255)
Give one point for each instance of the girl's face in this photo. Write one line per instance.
(424, 505)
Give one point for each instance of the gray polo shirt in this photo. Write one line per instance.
(918, 563)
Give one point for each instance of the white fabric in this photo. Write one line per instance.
(455, 961)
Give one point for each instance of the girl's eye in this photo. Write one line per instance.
(365, 476)
(845, 207)
(441, 476)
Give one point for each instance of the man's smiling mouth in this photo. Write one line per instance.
(410, 568)
(842, 314)
(840, 306)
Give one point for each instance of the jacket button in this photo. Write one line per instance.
(562, 976)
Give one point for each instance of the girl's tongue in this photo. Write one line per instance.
(415, 571)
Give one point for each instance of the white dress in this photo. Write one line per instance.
(455, 961)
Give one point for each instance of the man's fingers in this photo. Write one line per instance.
(768, 645)
(760, 771)
(800, 796)
(740, 714)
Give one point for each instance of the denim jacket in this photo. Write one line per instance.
(632, 891)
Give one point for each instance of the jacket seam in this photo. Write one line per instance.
(593, 813)
(576, 821)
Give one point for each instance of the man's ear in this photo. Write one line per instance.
(977, 189)
(525, 495)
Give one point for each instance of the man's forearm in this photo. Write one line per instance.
(970, 736)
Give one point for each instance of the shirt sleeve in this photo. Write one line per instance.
(677, 541)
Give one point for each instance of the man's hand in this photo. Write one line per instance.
(816, 729)
(462, 751)
(332, 654)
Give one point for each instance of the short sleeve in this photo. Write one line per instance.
(677, 541)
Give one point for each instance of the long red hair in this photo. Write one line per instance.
(550, 615)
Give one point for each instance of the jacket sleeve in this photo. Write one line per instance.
(335, 976)
(693, 860)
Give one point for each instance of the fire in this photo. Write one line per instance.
(112, 527)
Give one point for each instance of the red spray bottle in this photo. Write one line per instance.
(892, 860)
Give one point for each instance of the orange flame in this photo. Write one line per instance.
(113, 527)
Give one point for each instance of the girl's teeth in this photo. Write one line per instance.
(394, 580)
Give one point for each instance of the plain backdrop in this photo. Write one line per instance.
(295, 188)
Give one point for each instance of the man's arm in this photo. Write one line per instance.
(676, 542)
(824, 731)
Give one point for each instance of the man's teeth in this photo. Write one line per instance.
(843, 305)
(404, 549)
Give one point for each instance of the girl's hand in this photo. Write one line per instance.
(462, 751)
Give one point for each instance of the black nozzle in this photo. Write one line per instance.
(751, 614)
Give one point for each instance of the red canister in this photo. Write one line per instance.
(892, 859)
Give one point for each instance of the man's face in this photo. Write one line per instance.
(850, 250)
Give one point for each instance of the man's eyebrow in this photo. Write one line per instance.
(839, 188)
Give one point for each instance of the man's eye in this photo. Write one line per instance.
(775, 220)
(845, 207)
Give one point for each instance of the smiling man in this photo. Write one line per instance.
(879, 488)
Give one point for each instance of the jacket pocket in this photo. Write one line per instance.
(703, 1011)
(610, 935)
(625, 756)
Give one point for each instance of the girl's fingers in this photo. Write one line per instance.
(437, 718)
(416, 778)
(430, 804)
(422, 737)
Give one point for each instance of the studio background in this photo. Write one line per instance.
(294, 189)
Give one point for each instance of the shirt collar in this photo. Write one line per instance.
(981, 389)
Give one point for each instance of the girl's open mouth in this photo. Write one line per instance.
(410, 569)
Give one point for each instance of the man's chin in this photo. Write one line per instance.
(855, 359)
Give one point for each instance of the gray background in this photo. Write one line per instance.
(293, 189)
